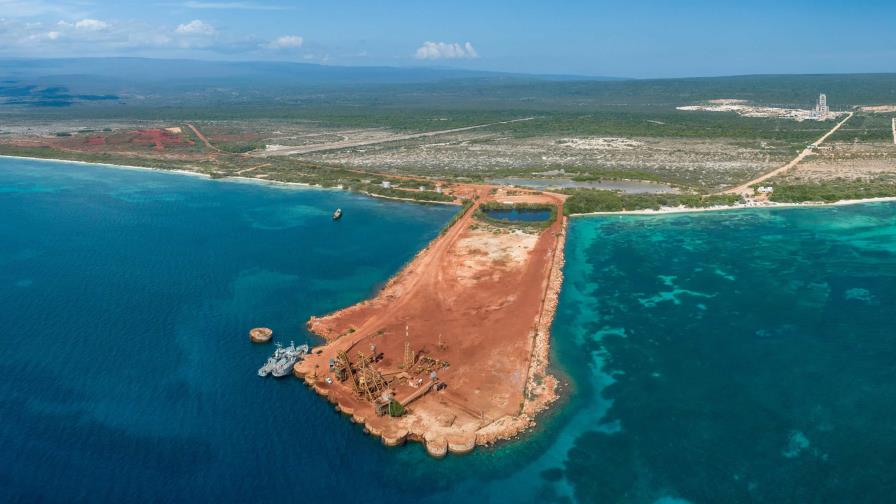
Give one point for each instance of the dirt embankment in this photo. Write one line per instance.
(479, 302)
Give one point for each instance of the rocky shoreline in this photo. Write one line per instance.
(441, 435)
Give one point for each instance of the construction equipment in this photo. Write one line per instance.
(409, 357)
(427, 364)
(366, 381)
(369, 383)
(342, 367)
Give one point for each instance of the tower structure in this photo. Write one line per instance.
(821, 109)
(408, 361)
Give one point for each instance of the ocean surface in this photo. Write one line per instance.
(740, 356)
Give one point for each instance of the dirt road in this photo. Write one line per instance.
(285, 150)
(746, 187)
(253, 168)
(202, 138)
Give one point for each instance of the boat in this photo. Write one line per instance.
(281, 363)
(267, 368)
(337, 214)
(292, 354)
(272, 361)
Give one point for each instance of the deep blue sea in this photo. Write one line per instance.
(721, 357)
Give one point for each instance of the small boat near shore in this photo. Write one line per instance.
(337, 214)
(281, 363)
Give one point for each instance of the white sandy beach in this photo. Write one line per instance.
(300, 185)
(243, 180)
(109, 165)
(723, 208)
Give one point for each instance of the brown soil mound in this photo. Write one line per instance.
(261, 335)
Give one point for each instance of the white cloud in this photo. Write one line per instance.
(286, 42)
(443, 50)
(91, 24)
(196, 27)
(87, 36)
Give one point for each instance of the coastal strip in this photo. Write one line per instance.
(110, 165)
(727, 208)
(232, 178)
(541, 386)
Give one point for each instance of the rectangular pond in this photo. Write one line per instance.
(518, 214)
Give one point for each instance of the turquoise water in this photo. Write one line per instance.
(721, 357)
(735, 357)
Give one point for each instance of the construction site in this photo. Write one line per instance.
(821, 111)
(453, 351)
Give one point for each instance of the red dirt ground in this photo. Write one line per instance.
(118, 141)
(159, 138)
(483, 308)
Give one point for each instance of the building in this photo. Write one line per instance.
(387, 185)
(821, 108)
(765, 190)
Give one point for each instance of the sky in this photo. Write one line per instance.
(640, 39)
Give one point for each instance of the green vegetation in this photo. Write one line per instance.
(395, 408)
(597, 176)
(866, 127)
(666, 122)
(831, 191)
(379, 190)
(240, 148)
(102, 158)
(243, 112)
(592, 200)
(267, 92)
(280, 170)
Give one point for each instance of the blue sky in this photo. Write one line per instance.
(628, 39)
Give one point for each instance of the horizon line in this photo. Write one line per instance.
(576, 76)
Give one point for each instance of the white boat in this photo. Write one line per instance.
(272, 360)
(284, 365)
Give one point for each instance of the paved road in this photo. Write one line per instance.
(305, 149)
(746, 187)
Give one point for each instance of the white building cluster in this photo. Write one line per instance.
(821, 108)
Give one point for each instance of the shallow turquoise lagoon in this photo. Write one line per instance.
(720, 357)
(742, 356)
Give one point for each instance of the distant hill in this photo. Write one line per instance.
(265, 73)
(93, 79)
(263, 89)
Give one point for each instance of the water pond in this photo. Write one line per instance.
(519, 214)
